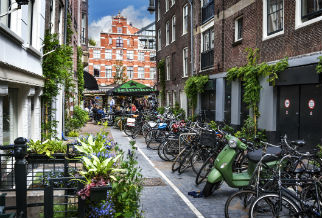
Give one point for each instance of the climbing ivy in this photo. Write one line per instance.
(80, 74)
(161, 68)
(57, 67)
(194, 86)
(319, 67)
(250, 75)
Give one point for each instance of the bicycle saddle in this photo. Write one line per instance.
(256, 155)
(299, 143)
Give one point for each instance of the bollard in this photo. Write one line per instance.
(20, 150)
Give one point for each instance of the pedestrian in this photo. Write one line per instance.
(133, 109)
(112, 103)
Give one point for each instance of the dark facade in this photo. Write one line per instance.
(279, 29)
(174, 50)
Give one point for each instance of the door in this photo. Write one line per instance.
(288, 111)
(310, 113)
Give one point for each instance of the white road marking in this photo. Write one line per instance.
(175, 188)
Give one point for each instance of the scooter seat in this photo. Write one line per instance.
(255, 156)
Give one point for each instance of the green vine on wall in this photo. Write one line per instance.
(161, 68)
(80, 75)
(194, 86)
(57, 66)
(319, 67)
(250, 75)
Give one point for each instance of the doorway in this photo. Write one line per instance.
(299, 113)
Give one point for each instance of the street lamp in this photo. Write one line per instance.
(151, 7)
(22, 2)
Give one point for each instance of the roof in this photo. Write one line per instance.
(146, 27)
(132, 29)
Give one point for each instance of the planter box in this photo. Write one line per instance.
(99, 193)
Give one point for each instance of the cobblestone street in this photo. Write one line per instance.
(163, 200)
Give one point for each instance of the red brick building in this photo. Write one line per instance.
(126, 46)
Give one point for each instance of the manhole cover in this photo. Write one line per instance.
(153, 182)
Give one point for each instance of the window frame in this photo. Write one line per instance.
(119, 55)
(107, 68)
(168, 68)
(159, 40)
(173, 29)
(265, 34)
(96, 54)
(236, 37)
(119, 28)
(108, 54)
(185, 17)
(166, 5)
(299, 22)
(119, 42)
(130, 70)
(141, 73)
(153, 73)
(130, 54)
(167, 33)
(141, 56)
(97, 67)
(185, 61)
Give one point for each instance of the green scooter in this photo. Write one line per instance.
(223, 165)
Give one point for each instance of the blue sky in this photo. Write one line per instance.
(101, 12)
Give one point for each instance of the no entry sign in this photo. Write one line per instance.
(287, 103)
(311, 104)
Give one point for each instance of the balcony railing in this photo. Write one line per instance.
(208, 11)
(207, 59)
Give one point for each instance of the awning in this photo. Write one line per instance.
(90, 82)
(131, 88)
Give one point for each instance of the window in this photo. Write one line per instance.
(274, 16)
(167, 35)
(238, 29)
(173, 38)
(185, 62)
(141, 56)
(128, 42)
(31, 21)
(119, 42)
(208, 40)
(108, 54)
(52, 16)
(151, 44)
(96, 70)
(167, 65)
(141, 73)
(83, 36)
(119, 29)
(130, 55)
(108, 72)
(110, 40)
(97, 54)
(152, 73)
(158, 10)
(166, 5)
(129, 72)
(311, 9)
(119, 54)
(159, 40)
(185, 20)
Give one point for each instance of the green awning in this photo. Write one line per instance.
(131, 88)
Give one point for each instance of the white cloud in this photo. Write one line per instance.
(104, 24)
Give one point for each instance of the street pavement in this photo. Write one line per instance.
(166, 200)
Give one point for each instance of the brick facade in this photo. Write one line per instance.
(124, 39)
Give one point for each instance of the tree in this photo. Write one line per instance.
(92, 42)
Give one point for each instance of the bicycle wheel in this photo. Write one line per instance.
(128, 130)
(198, 158)
(160, 150)
(238, 204)
(177, 161)
(171, 150)
(159, 137)
(185, 162)
(205, 169)
(145, 129)
(272, 205)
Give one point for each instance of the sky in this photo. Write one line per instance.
(101, 12)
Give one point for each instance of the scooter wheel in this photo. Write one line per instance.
(210, 188)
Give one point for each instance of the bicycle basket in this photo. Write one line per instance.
(130, 122)
(208, 138)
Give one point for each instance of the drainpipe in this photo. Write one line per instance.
(191, 38)
(63, 88)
